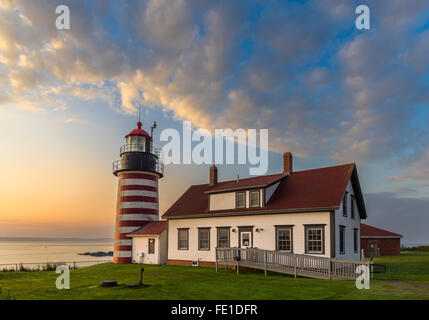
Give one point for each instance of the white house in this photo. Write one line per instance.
(313, 212)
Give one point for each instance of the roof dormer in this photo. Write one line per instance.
(241, 193)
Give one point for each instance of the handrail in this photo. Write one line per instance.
(139, 147)
(119, 165)
(157, 152)
(290, 263)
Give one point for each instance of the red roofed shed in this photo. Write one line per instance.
(379, 242)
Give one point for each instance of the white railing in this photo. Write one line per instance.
(290, 263)
(139, 147)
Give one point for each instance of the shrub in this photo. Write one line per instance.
(22, 268)
(419, 248)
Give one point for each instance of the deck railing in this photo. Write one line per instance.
(289, 263)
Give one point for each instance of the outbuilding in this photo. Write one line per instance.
(379, 242)
(149, 243)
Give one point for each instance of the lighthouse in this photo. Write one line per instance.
(138, 172)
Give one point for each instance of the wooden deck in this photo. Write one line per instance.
(299, 265)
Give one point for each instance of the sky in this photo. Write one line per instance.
(326, 91)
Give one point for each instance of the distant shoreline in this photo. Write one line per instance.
(97, 254)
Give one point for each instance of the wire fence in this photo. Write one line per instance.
(49, 266)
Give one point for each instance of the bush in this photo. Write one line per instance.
(419, 248)
(22, 268)
(51, 266)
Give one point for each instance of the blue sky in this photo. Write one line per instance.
(327, 92)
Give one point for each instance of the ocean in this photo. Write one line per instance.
(16, 251)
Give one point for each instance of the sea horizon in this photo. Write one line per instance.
(17, 250)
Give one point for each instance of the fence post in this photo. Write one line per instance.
(238, 266)
(74, 264)
(295, 262)
(329, 269)
(265, 261)
(216, 260)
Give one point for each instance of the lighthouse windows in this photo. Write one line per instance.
(136, 144)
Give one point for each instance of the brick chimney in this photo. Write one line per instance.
(213, 175)
(287, 162)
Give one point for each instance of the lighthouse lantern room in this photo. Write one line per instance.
(138, 171)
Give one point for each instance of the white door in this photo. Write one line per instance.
(246, 239)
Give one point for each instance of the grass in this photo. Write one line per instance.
(407, 278)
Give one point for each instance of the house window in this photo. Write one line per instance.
(151, 245)
(254, 198)
(345, 204)
(223, 237)
(204, 239)
(352, 206)
(183, 239)
(355, 239)
(342, 239)
(284, 239)
(315, 239)
(240, 199)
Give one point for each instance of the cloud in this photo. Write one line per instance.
(300, 69)
(6, 5)
(417, 168)
(405, 215)
(74, 120)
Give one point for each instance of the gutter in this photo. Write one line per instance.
(246, 213)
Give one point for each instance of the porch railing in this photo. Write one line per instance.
(289, 263)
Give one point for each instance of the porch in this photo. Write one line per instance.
(288, 263)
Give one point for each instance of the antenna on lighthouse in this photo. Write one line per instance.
(140, 109)
(152, 128)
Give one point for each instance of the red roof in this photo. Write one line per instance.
(299, 191)
(370, 231)
(261, 181)
(139, 132)
(154, 227)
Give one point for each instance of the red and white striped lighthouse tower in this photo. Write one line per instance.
(138, 171)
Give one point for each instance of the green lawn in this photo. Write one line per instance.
(407, 278)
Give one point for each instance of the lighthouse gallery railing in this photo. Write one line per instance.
(118, 164)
